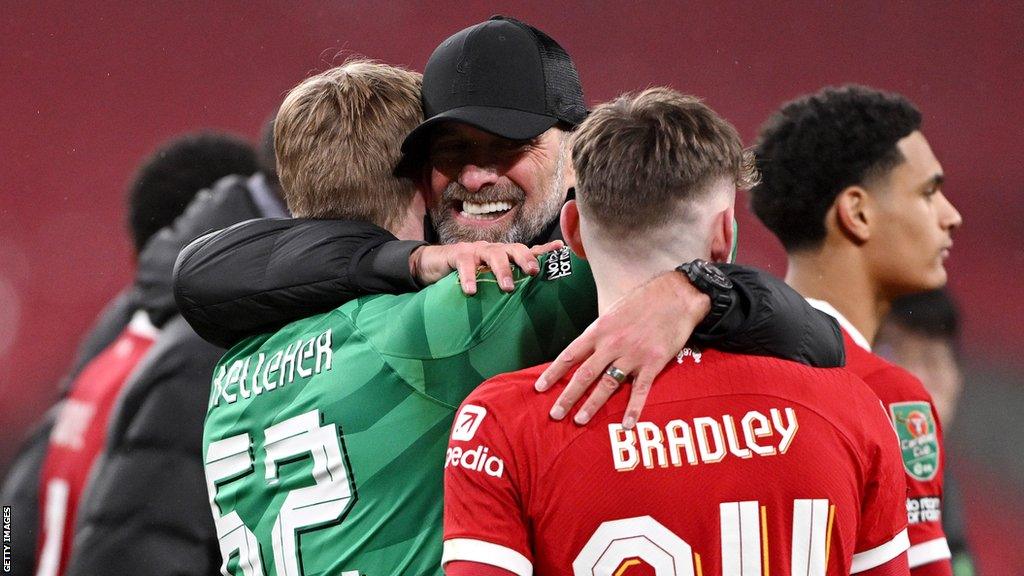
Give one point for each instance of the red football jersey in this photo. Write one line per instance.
(909, 405)
(740, 465)
(78, 437)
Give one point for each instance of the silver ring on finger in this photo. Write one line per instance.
(618, 375)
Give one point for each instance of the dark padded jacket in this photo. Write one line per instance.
(20, 488)
(146, 509)
(257, 276)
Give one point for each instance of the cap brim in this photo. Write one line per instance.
(504, 122)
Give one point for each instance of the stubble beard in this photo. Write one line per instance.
(527, 224)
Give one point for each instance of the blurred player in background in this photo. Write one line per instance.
(681, 493)
(163, 185)
(145, 509)
(921, 333)
(853, 191)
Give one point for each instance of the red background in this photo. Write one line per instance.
(89, 88)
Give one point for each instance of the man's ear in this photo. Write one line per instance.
(570, 221)
(722, 234)
(852, 210)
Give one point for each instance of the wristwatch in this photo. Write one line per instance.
(710, 280)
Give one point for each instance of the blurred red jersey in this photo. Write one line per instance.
(909, 406)
(740, 465)
(78, 437)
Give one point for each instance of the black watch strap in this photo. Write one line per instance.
(710, 280)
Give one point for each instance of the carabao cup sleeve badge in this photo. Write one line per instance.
(919, 442)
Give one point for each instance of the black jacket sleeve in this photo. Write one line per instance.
(259, 275)
(146, 510)
(769, 318)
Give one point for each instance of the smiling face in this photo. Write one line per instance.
(484, 187)
(912, 231)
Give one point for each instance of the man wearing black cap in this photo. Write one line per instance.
(492, 160)
(503, 76)
(501, 96)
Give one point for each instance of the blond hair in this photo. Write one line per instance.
(337, 137)
(641, 157)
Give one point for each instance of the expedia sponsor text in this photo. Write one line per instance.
(478, 460)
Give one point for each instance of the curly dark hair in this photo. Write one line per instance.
(818, 145)
(172, 175)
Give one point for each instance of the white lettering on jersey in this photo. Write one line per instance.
(618, 544)
(302, 358)
(705, 440)
(558, 265)
(478, 460)
(709, 439)
(924, 509)
(787, 429)
(72, 424)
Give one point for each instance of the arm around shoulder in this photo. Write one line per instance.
(769, 318)
(259, 275)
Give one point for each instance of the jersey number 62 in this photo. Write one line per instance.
(321, 504)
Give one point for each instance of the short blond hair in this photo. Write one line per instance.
(338, 136)
(640, 155)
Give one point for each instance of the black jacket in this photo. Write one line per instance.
(20, 489)
(146, 510)
(257, 276)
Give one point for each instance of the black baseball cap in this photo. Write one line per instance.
(502, 76)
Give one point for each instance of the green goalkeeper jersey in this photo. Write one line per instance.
(325, 441)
